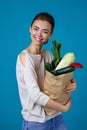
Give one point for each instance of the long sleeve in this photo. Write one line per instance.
(30, 81)
(33, 89)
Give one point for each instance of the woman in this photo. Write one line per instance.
(30, 72)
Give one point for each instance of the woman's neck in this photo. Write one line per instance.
(34, 49)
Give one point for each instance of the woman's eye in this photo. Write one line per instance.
(46, 32)
(36, 29)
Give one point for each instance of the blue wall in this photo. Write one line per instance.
(70, 30)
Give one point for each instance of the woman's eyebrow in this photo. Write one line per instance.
(42, 29)
(36, 26)
(46, 30)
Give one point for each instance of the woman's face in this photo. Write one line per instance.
(40, 32)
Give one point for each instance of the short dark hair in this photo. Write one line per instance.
(45, 17)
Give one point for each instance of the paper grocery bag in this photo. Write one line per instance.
(54, 86)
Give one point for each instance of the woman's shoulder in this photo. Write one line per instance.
(24, 53)
(47, 55)
(23, 57)
(45, 51)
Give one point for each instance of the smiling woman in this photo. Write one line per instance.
(40, 31)
(30, 71)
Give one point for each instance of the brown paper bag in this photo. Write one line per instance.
(54, 86)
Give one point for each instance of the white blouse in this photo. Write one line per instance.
(30, 85)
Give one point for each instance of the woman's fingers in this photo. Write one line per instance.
(70, 87)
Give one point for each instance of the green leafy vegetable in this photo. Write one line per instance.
(56, 52)
(56, 49)
(48, 67)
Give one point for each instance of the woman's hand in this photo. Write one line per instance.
(70, 87)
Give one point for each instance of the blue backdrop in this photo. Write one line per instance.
(71, 30)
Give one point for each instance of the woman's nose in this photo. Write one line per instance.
(39, 33)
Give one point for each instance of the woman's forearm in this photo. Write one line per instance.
(51, 104)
